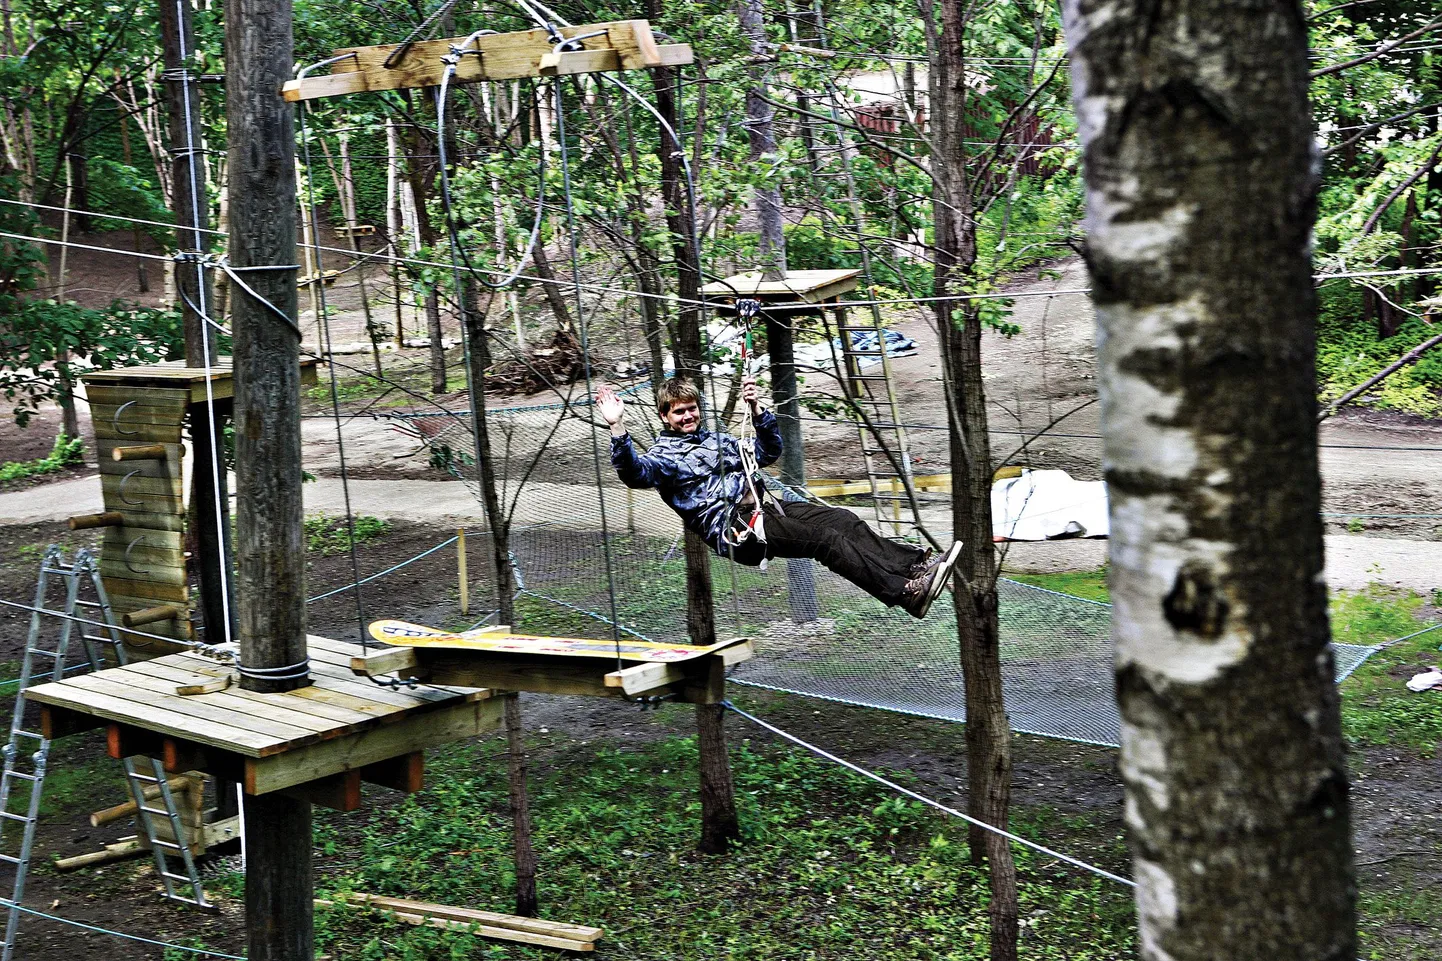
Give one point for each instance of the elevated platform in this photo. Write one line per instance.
(318, 742)
(493, 657)
(174, 374)
(802, 290)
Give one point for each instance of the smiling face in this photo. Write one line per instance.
(683, 416)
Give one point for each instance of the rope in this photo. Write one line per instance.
(1018, 839)
(324, 320)
(11, 905)
(389, 570)
(585, 330)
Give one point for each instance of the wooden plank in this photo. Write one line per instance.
(136, 434)
(121, 684)
(119, 538)
(122, 389)
(578, 61)
(645, 677)
(138, 469)
(519, 672)
(339, 792)
(145, 490)
(405, 773)
(485, 930)
(122, 416)
(391, 661)
(148, 572)
(575, 932)
(410, 733)
(58, 722)
(133, 586)
(205, 670)
(506, 56)
(111, 707)
(229, 707)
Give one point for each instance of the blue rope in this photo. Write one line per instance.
(119, 934)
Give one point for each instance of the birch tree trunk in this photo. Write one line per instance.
(1201, 192)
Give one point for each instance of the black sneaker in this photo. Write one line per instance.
(921, 592)
(928, 559)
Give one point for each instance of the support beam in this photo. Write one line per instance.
(620, 45)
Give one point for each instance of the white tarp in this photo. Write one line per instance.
(1042, 504)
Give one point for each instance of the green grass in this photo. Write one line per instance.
(66, 453)
(1091, 585)
(1377, 708)
(330, 535)
(1399, 921)
(830, 866)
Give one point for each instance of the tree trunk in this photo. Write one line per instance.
(988, 731)
(552, 289)
(760, 127)
(209, 489)
(478, 353)
(1201, 200)
(270, 553)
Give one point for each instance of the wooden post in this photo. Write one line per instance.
(461, 570)
(270, 551)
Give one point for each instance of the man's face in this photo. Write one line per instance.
(684, 416)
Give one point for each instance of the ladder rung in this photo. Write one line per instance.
(98, 637)
(88, 604)
(13, 817)
(145, 777)
(171, 845)
(158, 812)
(9, 859)
(183, 878)
(23, 777)
(864, 377)
(30, 734)
(44, 653)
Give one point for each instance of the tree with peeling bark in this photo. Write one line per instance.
(1201, 190)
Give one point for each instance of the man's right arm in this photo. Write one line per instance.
(635, 470)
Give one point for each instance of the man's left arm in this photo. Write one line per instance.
(768, 438)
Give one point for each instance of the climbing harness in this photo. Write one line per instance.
(747, 519)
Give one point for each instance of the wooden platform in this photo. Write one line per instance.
(174, 374)
(318, 742)
(498, 659)
(613, 46)
(801, 288)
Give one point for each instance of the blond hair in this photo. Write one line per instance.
(674, 391)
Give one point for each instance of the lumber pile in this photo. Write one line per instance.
(562, 362)
(487, 924)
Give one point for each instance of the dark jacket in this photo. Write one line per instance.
(683, 468)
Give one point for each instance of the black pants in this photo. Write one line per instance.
(837, 538)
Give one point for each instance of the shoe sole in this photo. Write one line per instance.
(941, 574)
(942, 577)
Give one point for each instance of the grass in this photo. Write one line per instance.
(67, 452)
(1090, 585)
(1377, 708)
(830, 866)
(330, 535)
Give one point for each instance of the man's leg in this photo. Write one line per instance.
(844, 543)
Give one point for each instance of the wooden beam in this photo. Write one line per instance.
(405, 773)
(645, 677)
(339, 792)
(85, 522)
(118, 811)
(574, 932)
(56, 722)
(621, 45)
(390, 661)
(429, 918)
(149, 615)
(144, 452)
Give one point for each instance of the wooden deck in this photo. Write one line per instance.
(174, 374)
(801, 287)
(319, 741)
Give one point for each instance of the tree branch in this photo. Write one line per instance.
(1418, 174)
(1381, 51)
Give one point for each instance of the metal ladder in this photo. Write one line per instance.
(872, 392)
(24, 766)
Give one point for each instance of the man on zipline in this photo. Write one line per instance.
(720, 503)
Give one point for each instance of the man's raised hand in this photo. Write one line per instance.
(610, 406)
(750, 394)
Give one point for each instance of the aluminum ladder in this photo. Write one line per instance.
(871, 393)
(26, 766)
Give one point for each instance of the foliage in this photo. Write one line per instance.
(44, 343)
(329, 535)
(829, 865)
(67, 452)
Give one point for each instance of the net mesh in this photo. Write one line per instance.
(1055, 648)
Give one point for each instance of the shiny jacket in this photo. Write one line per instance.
(682, 467)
